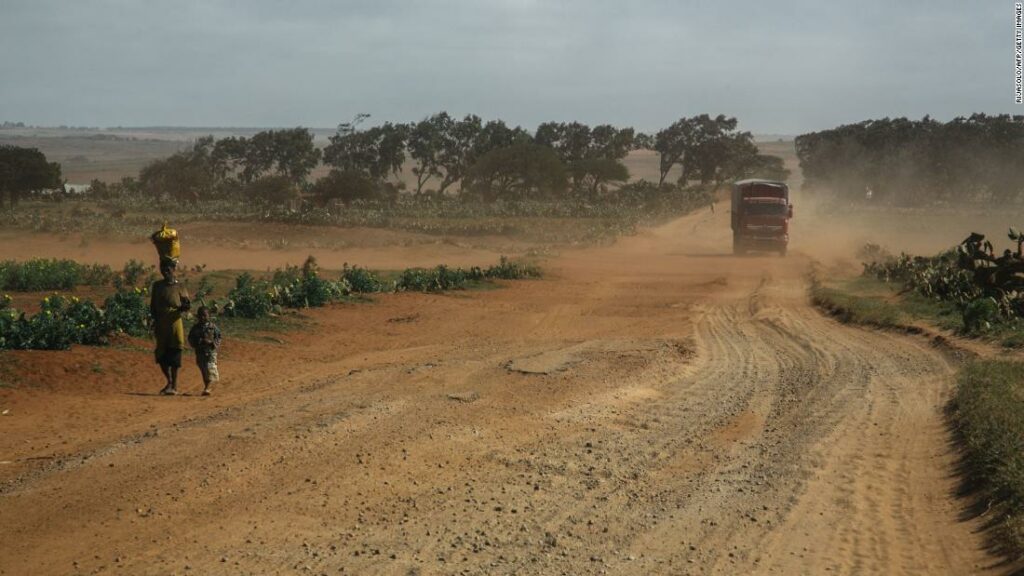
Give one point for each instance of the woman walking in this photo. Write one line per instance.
(168, 301)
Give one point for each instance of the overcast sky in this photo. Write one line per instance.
(780, 67)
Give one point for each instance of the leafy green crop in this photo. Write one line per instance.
(41, 274)
(127, 312)
(60, 322)
(362, 281)
(66, 320)
(250, 298)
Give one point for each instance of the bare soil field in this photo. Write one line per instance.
(653, 407)
(240, 245)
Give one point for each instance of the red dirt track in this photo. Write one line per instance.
(653, 407)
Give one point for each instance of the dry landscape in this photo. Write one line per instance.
(653, 406)
(511, 288)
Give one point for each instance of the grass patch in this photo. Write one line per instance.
(938, 312)
(851, 308)
(866, 300)
(1014, 340)
(873, 302)
(988, 412)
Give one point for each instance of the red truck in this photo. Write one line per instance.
(760, 216)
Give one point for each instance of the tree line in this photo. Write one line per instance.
(447, 156)
(465, 157)
(911, 162)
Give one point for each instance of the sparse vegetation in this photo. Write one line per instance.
(295, 287)
(988, 412)
(64, 320)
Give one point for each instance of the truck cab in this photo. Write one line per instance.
(760, 216)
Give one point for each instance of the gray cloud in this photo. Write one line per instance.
(779, 67)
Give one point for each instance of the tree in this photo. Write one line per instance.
(593, 174)
(737, 157)
(705, 148)
(708, 145)
(180, 177)
(445, 148)
(592, 155)
(24, 171)
(642, 141)
(229, 156)
(458, 146)
(347, 186)
(496, 134)
(378, 152)
(426, 140)
(571, 141)
(185, 176)
(671, 144)
(980, 157)
(522, 171)
(610, 142)
(275, 190)
(290, 153)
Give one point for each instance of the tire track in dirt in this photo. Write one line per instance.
(841, 498)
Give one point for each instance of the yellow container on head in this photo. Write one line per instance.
(166, 241)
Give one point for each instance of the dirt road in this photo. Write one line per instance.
(656, 407)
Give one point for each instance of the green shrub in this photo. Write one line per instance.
(287, 275)
(127, 312)
(310, 291)
(9, 326)
(361, 281)
(41, 274)
(509, 270)
(444, 278)
(436, 279)
(249, 298)
(60, 322)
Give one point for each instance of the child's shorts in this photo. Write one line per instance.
(207, 362)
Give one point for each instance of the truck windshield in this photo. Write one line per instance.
(766, 209)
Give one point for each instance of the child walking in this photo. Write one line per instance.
(204, 338)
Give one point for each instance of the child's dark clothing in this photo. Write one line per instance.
(205, 338)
